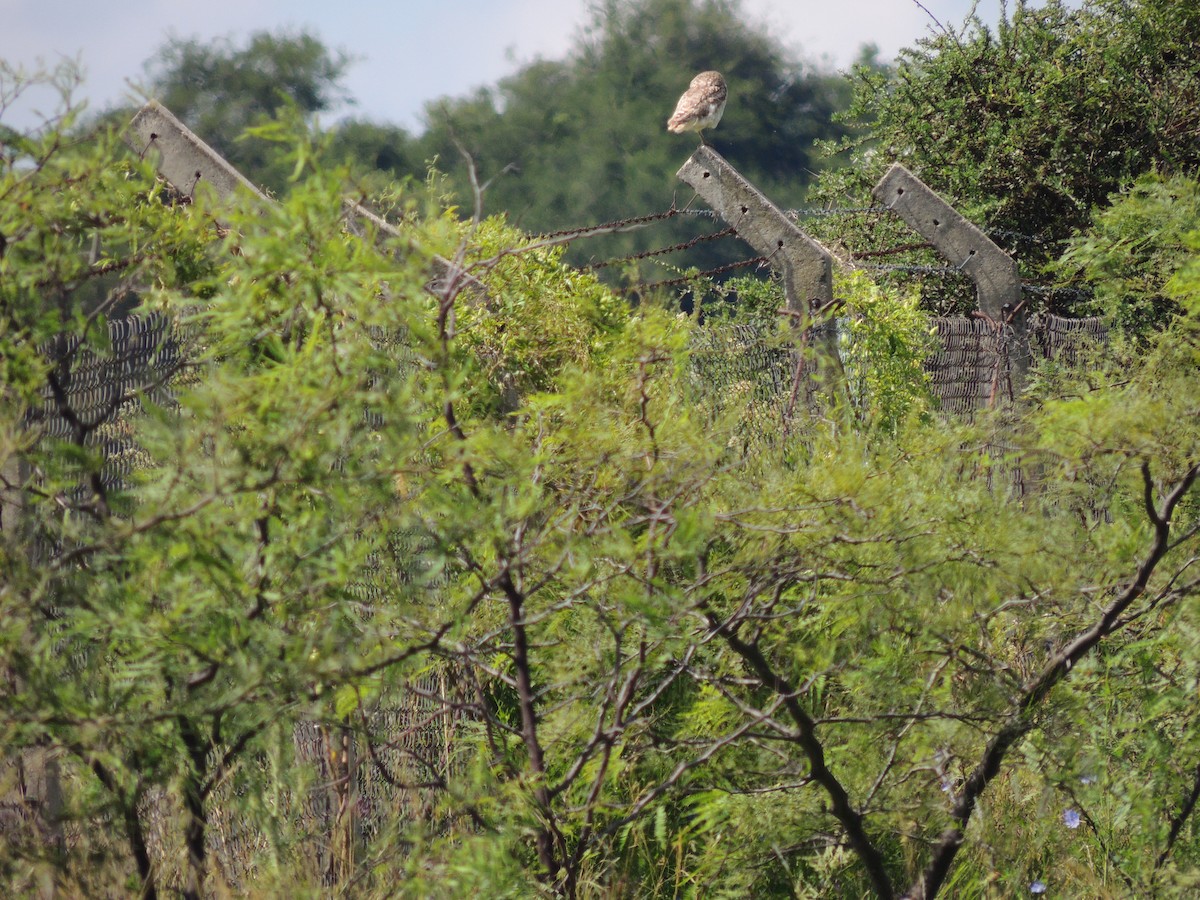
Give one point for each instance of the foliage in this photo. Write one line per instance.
(568, 318)
(1133, 248)
(888, 338)
(1066, 106)
(562, 143)
(381, 154)
(572, 142)
(588, 643)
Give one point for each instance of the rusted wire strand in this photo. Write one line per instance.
(891, 251)
(568, 235)
(662, 251)
(609, 227)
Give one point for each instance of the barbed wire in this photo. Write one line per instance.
(1008, 233)
(914, 269)
(819, 212)
(891, 251)
(1049, 290)
(634, 222)
(811, 212)
(662, 251)
(614, 227)
(631, 223)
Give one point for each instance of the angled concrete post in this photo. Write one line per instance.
(994, 272)
(804, 265)
(190, 165)
(182, 158)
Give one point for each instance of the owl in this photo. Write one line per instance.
(700, 106)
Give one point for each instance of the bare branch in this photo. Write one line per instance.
(1022, 719)
(806, 737)
(1180, 819)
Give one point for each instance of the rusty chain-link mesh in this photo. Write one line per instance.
(969, 368)
(92, 390)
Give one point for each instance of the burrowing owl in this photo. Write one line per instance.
(700, 106)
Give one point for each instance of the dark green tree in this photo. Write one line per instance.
(582, 140)
(559, 143)
(1029, 126)
(593, 643)
(383, 152)
(1132, 248)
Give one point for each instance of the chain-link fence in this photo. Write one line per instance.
(387, 766)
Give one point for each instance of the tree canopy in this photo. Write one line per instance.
(560, 143)
(221, 90)
(307, 605)
(582, 140)
(1029, 126)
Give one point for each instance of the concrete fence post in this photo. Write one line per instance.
(190, 165)
(997, 281)
(804, 265)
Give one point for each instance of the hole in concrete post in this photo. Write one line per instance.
(745, 209)
(899, 191)
(936, 223)
(706, 175)
(153, 136)
(779, 245)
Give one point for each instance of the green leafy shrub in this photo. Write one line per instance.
(1133, 249)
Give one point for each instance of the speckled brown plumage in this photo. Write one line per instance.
(700, 106)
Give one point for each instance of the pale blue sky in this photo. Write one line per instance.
(408, 51)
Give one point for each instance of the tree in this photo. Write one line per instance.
(1132, 248)
(669, 660)
(573, 142)
(380, 154)
(1066, 107)
(221, 90)
(560, 143)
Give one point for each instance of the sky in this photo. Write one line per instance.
(407, 52)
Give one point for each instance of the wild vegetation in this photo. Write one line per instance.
(627, 635)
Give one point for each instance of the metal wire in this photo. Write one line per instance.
(634, 222)
(818, 212)
(1004, 232)
(891, 251)
(661, 251)
(808, 212)
(914, 269)
(1043, 290)
(609, 227)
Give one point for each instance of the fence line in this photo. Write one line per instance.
(585, 232)
(709, 273)
(662, 251)
(969, 370)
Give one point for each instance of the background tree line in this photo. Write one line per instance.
(561, 143)
(1069, 105)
